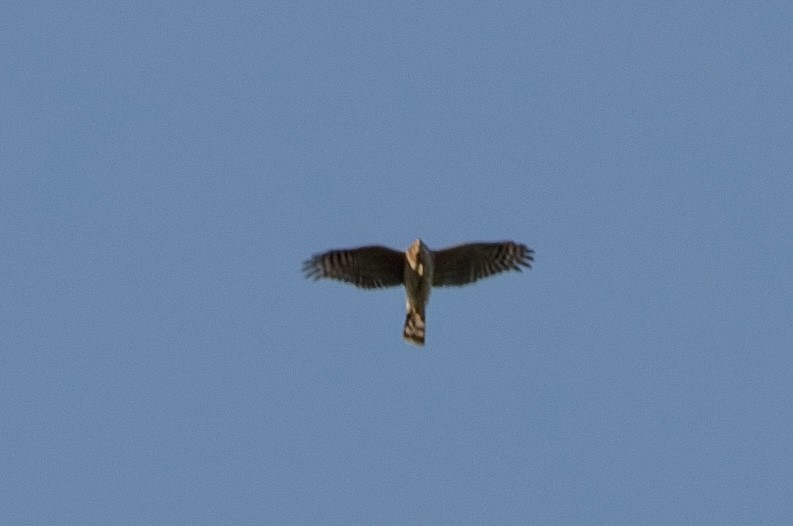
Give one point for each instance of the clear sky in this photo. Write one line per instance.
(165, 168)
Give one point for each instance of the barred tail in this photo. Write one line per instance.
(414, 327)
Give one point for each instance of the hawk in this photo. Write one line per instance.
(419, 269)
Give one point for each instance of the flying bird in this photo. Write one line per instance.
(419, 269)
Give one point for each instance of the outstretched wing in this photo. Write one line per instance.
(463, 264)
(369, 267)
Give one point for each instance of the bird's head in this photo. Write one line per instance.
(418, 255)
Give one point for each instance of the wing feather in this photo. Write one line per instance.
(369, 267)
(464, 264)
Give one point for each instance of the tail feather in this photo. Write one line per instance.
(414, 327)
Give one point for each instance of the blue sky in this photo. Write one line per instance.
(166, 168)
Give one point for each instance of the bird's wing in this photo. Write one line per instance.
(366, 267)
(463, 264)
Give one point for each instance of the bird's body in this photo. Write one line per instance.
(418, 285)
(418, 269)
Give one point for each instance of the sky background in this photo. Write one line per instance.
(165, 168)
